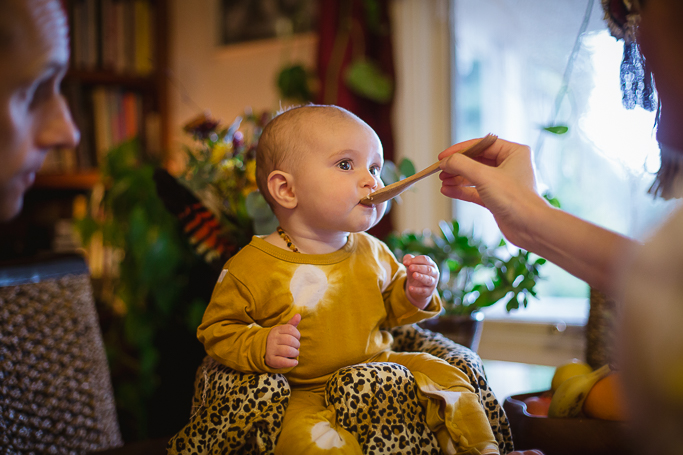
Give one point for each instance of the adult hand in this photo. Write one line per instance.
(500, 179)
(282, 344)
(421, 280)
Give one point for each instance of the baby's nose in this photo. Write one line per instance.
(369, 181)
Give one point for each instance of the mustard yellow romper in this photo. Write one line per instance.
(346, 300)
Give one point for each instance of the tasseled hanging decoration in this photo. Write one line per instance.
(636, 80)
(637, 86)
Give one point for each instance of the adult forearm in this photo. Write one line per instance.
(583, 249)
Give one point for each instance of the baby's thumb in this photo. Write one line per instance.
(296, 319)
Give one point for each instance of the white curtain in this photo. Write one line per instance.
(422, 109)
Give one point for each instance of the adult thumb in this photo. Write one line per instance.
(296, 319)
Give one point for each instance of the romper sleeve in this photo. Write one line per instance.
(228, 331)
(399, 309)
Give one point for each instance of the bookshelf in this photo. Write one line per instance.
(116, 86)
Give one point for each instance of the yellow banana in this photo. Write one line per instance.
(568, 399)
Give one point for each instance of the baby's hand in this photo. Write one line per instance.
(423, 275)
(282, 344)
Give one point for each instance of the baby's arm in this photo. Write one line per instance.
(282, 345)
(421, 280)
(232, 334)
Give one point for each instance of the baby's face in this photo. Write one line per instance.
(342, 165)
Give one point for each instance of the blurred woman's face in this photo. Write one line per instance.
(34, 117)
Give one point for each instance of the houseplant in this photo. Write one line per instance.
(472, 276)
(151, 295)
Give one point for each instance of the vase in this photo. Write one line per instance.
(463, 329)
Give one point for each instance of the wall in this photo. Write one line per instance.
(223, 80)
(226, 80)
(422, 121)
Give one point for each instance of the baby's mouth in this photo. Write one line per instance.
(367, 200)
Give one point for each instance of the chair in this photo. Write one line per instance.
(241, 413)
(55, 390)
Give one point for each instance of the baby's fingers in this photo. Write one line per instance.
(286, 351)
(421, 291)
(423, 279)
(282, 362)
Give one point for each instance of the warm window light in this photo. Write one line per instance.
(601, 169)
(624, 136)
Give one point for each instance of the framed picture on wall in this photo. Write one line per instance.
(252, 20)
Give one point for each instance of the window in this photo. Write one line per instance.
(510, 60)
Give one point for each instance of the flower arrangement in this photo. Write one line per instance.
(221, 170)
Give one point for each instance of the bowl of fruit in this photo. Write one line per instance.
(581, 413)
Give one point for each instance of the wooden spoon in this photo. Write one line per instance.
(393, 190)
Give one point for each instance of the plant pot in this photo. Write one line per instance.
(464, 330)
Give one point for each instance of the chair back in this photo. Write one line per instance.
(55, 389)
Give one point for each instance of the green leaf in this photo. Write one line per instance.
(365, 78)
(256, 206)
(557, 129)
(293, 83)
(265, 226)
(389, 173)
(195, 313)
(406, 167)
(551, 200)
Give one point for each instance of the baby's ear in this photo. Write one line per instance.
(281, 190)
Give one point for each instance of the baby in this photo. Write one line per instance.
(318, 294)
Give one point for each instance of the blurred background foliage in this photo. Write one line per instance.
(151, 295)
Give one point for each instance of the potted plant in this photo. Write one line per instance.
(472, 276)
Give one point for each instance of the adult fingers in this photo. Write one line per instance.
(467, 194)
(466, 167)
(453, 180)
(455, 148)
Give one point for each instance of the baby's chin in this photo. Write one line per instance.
(373, 223)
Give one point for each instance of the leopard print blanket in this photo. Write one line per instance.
(238, 413)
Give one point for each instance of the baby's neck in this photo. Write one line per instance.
(309, 242)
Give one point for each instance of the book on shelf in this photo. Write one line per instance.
(117, 116)
(60, 161)
(113, 35)
(106, 117)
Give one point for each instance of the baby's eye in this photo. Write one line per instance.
(345, 165)
(375, 170)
